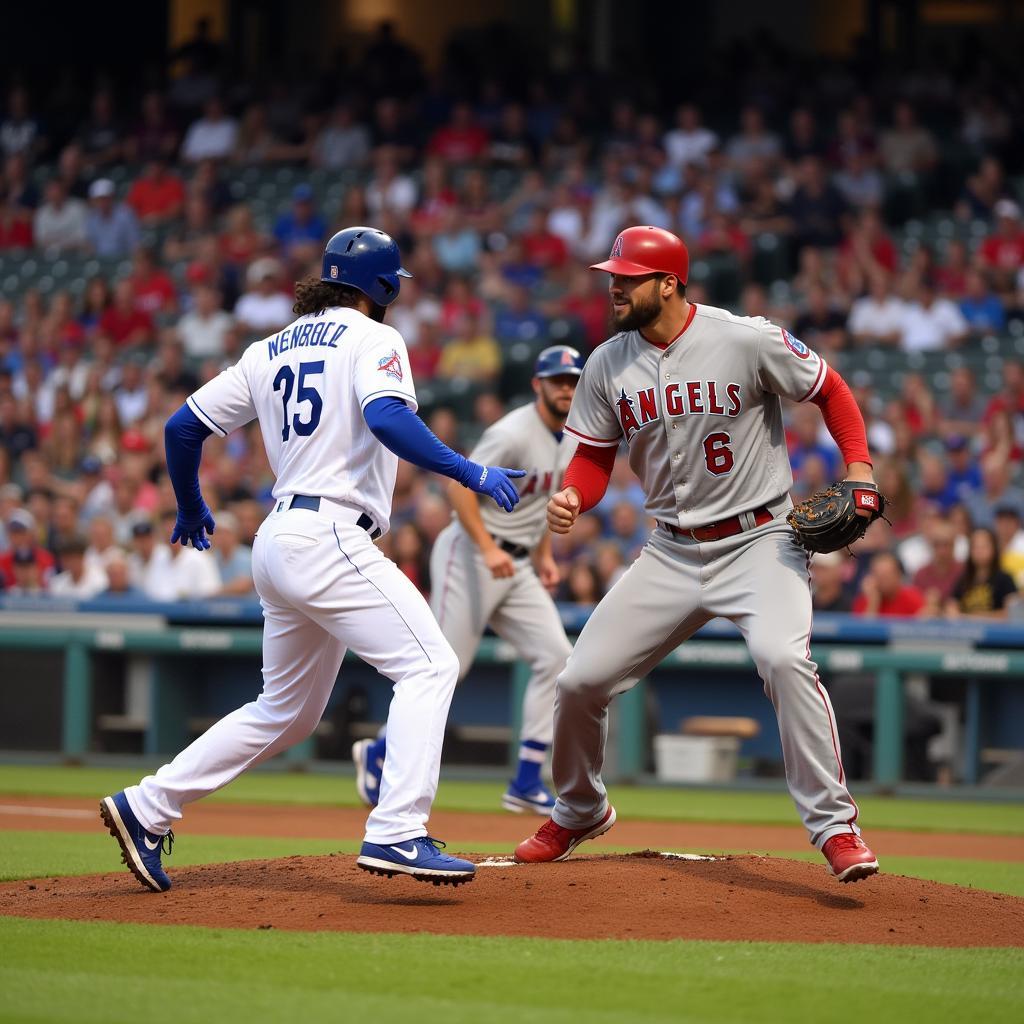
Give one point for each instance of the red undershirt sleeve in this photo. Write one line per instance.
(843, 418)
(589, 471)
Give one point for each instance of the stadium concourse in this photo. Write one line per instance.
(143, 245)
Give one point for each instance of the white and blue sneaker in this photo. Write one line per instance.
(368, 771)
(140, 849)
(538, 800)
(422, 858)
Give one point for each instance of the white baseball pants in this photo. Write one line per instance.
(324, 588)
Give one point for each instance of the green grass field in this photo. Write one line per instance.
(85, 971)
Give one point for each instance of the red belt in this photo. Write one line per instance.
(725, 528)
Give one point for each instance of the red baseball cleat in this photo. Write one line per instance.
(552, 842)
(849, 858)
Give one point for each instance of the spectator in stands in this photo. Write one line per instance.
(343, 142)
(102, 542)
(542, 247)
(1002, 253)
(804, 439)
(984, 587)
(996, 489)
(821, 325)
(123, 322)
(153, 287)
(256, 142)
(582, 585)
(939, 576)
(26, 580)
(20, 132)
(111, 228)
(23, 542)
(907, 147)
(829, 592)
(472, 354)
(154, 137)
(203, 330)
(510, 144)
(301, 230)
(234, 559)
(628, 529)
(264, 308)
(931, 322)
(101, 137)
(119, 578)
(96, 490)
(77, 579)
(753, 141)
(883, 590)
(15, 227)
(389, 189)
(859, 182)
(412, 556)
(212, 137)
(1010, 538)
(816, 207)
(18, 188)
(982, 191)
(60, 223)
(981, 307)
(689, 142)
(171, 572)
(158, 196)
(961, 411)
(877, 318)
(517, 320)
(457, 244)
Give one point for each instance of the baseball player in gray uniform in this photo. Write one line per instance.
(481, 574)
(696, 394)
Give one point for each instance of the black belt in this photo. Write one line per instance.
(312, 503)
(515, 550)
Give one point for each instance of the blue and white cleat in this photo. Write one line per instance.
(140, 849)
(538, 800)
(368, 772)
(422, 858)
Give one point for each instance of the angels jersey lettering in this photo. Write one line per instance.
(703, 417)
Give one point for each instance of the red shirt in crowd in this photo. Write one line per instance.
(163, 197)
(1002, 252)
(154, 292)
(15, 233)
(126, 328)
(458, 145)
(44, 563)
(907, 600)
(545, 249)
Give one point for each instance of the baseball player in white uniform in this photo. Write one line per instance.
(492, 568)
(336, 406)
(695, 393)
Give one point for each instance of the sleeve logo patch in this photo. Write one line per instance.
(391, 365)
(795, 345)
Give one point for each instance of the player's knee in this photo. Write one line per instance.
(776, 664)
(574, 682)
(551, 660)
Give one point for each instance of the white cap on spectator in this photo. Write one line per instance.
(1007, 208)
(263, 268)
(23, 518)
(101, 187)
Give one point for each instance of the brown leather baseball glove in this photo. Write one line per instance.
(830, 519)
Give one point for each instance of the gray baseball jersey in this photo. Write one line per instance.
(703, 416)
(522, 438)
(703, 421)
(466, 598)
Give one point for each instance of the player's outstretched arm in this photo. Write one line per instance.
(398, 428)
(184, 434)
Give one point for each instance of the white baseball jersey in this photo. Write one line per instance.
(523, 439)
(703, 416)
(308, 385)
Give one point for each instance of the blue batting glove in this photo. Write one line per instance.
(193, 528)
(496, 483)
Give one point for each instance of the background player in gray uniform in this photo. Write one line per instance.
(696, 393)
(481, 573)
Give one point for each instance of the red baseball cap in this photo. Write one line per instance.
(647, 250)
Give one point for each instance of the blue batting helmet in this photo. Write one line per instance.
(559, 359)
(366, 259)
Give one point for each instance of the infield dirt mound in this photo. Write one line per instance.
(639, 896)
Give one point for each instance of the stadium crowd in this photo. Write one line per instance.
(811, 214)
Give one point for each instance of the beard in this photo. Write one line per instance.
(554, 407)
(640, 314)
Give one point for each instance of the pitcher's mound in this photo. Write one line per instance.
(640, 896)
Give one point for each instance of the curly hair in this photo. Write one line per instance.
(314, 296)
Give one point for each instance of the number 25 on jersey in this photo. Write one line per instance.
(285, 382)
